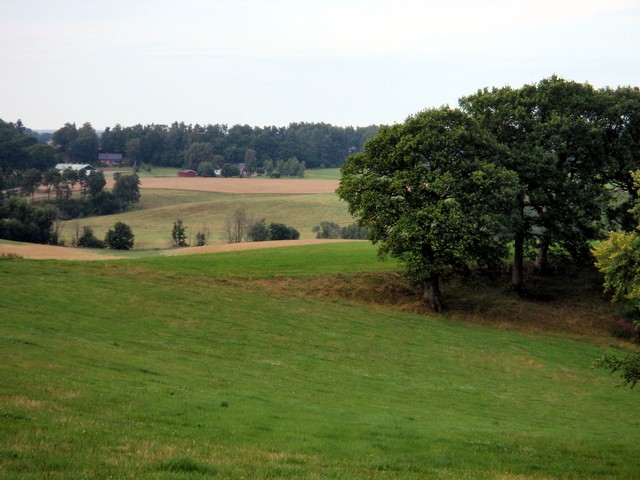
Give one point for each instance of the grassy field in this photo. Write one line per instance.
(265, 364)
(323, 174)
(152, 220)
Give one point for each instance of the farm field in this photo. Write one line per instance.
(298, 362)
(205, 203)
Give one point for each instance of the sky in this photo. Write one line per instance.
(275, 62)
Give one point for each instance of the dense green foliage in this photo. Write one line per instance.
(570, 145)
(188, 368)
(88, 239)
(126, 190)
(618, 258)
(565, 146)
(280, 231)
(120, 237)
(27, 223)
(352, 231)
(20, 151)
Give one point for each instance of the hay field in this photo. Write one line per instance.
(260, 185)
(203, 204)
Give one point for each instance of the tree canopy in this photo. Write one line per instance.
(554, 141)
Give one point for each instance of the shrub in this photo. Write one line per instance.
(202, 238)
(206, 169)
(280, 231)
(258, 231)
(120, 237)
(354, 232)
(88, 239)
(230, 170)
(179, 234)
(327, 230)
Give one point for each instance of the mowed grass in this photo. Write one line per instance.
(205, 366)
(322, 174)
(152, 220)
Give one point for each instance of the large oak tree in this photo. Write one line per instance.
(430, 194)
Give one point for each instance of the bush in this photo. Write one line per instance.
(258, 231)
(120, 237)
(202, 238)
(23, 222)
(206, 169)
(89, 240)
(354, 232)
(179, 234)
(230, 170)
(280, 231)
(327, 230)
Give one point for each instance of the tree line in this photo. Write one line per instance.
(183, 145)
(540, 169)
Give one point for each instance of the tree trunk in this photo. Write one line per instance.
(517, 277)
(542, 259)
(431, 293)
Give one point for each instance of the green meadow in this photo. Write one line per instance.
(274, 364)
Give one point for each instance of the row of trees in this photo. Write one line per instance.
(271, 149)
(21, 151)
(186, 145)
(538, 167)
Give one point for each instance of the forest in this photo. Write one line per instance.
(178, 145)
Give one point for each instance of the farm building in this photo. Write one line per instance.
(110, 159)
(75, 166)
(187, 173)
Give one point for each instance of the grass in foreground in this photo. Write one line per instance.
(201, 366)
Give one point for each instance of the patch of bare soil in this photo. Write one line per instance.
(238, 185)
(233, 247)
(44, 252)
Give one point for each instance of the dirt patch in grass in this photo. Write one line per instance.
(236, 247)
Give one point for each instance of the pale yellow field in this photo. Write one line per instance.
(258, 185)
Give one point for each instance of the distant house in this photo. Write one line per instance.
(217, 171)
(187, 173)
(76, 167)
(110, 159)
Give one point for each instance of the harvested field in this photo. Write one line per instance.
(238, 185)
(49, 252)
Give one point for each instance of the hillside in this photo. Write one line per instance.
(306, 362)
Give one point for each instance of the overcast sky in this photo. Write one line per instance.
(273, 62)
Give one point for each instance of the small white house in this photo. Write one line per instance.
(75, 166)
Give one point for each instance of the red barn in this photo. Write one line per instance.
(187, 173)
